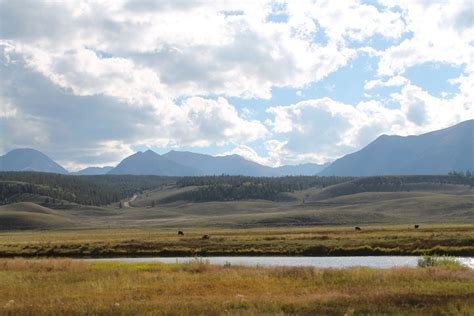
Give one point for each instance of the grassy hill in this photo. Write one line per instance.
(394, 184)
(27, 215)
(234, 201)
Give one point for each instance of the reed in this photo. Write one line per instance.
(65, 287)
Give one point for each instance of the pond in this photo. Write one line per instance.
(319, 262)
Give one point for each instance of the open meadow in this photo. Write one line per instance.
(65, 287)
(49, 223)
(403, 239)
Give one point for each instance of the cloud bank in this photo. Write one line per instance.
(87, 82)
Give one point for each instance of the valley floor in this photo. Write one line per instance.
(67, 287)
(402, 239)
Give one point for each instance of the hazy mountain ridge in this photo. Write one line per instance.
(302, 169)
(173, 163)
(150, 163)
(210, 165)
(91, 171)
(436, 152)
(27, 159)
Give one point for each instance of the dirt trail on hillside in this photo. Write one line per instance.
(127, 203)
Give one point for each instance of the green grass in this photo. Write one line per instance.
(439, 261)
(448, 239)
(65, 287)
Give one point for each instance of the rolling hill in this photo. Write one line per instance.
(437, 152)
(27, 215)
(27, 159)
(230, 201)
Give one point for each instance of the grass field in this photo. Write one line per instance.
(451, 206)
(65, 287)
(312, 224)
(452, 239)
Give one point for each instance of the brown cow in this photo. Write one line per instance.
(357, 228)
(417, 226)
(205, 237)
(180, 233)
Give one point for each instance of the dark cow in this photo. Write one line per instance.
(357, 228)
(417, 226)
(180, 233)
(205, 237)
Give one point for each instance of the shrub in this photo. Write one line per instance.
(439, 261)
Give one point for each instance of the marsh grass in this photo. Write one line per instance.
(440, 261)
(67, 287)
(452, 239)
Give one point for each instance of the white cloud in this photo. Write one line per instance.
(249, 154)
(351, 21)
(202, 122)
(105, 154)
(391, 82)
(324, 129)
(193, 49)
(71, 120)
(106, 75)
(327, 129)
(442, 31)
(427, 112)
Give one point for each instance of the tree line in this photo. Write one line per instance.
(87, 190)
(395, 184)
(107, 189)
(232, 188)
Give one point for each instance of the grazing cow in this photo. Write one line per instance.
(205, 237)
(180, 233)
(357, 228)
(417, 226)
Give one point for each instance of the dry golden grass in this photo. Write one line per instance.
(65, 287)
(452, 239)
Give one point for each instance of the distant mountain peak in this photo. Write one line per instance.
(151, 163)
(436, 152)
(28, 159)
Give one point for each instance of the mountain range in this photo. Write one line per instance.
(436, 152)
(93, 171)
(174, 163)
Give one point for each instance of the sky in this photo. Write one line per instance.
(91, 82)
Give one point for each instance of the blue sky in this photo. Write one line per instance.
(276, 82)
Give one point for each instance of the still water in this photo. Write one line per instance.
(319, 262)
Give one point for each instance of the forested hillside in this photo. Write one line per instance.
(106, 189)
(87, 190)
(395, 184)
(233, 188)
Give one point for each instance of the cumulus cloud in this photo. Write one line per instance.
(391, 82)
(250, 154)
(324, 129)
(352, 21)
(202, 121)
(441, 32)
(194, 48)
(95, 124)
(85, 81)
